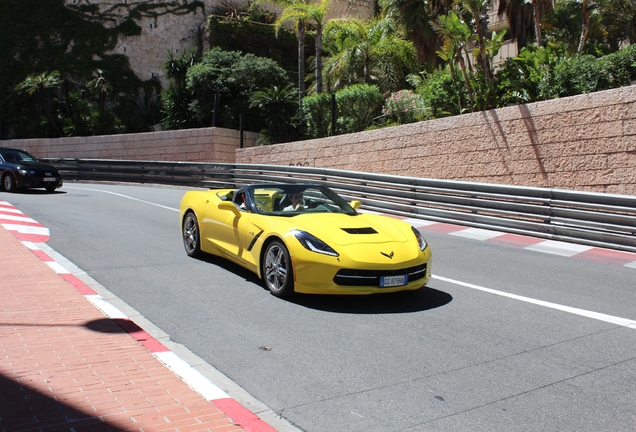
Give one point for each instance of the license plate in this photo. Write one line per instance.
(49, 179)
(390, 281)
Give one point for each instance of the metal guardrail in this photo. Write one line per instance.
(593, 219)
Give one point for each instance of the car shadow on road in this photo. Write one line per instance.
(34, 192)
(401, 302)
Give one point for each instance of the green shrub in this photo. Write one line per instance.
(316, 111)
(573, 76)
(444, 94)
(357, 106)
(404, 106)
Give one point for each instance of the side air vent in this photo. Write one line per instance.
(360, 230)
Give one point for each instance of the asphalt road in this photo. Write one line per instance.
(450, 357)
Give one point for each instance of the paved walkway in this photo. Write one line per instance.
(65, 366)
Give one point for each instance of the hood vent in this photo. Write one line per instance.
(360, 230)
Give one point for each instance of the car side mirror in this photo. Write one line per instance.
(229, 206)
(355, 204)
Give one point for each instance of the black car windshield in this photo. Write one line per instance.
(291, 200)
(17, 156)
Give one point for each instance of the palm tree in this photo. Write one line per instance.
(479, 13)
(416, 17)
(520, 15)
(279, 106)
(102, 88)
(43, 87)
(308, 13)
(588, 7)
(619, 18)
(456, 34)
(300, 24)
(367, 52)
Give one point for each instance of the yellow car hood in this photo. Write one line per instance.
(343, 230)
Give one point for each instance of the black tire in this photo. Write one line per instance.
(8, 182)
(276, 270)
(191, 236)
(50, 189)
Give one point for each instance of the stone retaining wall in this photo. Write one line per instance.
(187, 145)
(585, 142)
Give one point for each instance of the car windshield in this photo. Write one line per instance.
(17, 156)
(291, 200)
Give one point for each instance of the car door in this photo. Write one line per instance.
(227, 230)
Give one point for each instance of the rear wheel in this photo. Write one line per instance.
(277, 270)
(191, 238)
(8, 181)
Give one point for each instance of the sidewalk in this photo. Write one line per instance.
(64, 365)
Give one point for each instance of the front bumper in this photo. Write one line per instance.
(329, 275)
(39, 182)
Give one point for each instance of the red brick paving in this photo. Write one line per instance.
(58, 374)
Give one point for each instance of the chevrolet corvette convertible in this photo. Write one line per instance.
(305, 238)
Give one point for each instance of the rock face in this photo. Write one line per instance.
(172, 26)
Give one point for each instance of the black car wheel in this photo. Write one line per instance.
(50, 189)
(8, 181)
(277, 271)
(191, 238)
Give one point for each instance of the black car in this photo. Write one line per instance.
(19, 169)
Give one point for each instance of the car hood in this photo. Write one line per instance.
(341, 229)
(40, 166)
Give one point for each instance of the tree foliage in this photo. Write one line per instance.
(229, 78)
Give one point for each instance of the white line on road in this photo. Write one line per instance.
(126, 196)
(623, 322)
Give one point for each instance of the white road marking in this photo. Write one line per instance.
(126, 196)
(623, 322)
(559, 248)
(477, 233)
(419, 222)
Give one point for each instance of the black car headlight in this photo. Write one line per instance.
(422, 243)
(313, 243)
(26, 173)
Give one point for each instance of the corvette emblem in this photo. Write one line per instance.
(388, 255)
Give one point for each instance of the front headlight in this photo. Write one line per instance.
(313, 243)
(26, 173)
(419, 238)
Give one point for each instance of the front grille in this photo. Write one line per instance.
(350, 277)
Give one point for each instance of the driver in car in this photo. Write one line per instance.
(296, 202)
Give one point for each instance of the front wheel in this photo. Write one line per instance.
(8, 181)
(277, 270)
(191, 238)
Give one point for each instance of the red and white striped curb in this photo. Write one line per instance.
(30, 232)
(572, 250)
(22, 226)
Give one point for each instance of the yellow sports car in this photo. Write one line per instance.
(305, 238)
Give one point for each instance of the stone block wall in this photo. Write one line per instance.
(187, 145)
(585, 142)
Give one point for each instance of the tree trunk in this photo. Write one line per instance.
(301, 61)
(319, 59)
(469, 88)
(536, 15)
